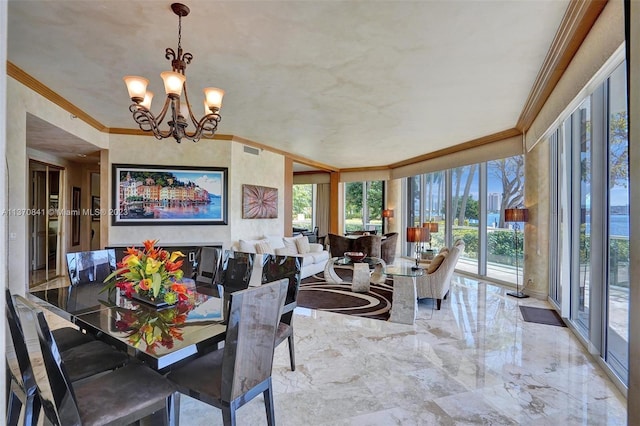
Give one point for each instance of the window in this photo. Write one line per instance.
(472, 205)
(303, 196)
(363, 206)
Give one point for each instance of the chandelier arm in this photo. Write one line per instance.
(186, 99)
(146, 120)
(163, 112)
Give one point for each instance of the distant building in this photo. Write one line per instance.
(494, 200)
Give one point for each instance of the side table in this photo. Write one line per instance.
(404, 307)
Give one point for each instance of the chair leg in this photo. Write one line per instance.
(229, 415)
(268, 405)
(438, 303)
(14, 407)
(292, 353)
(172, 408)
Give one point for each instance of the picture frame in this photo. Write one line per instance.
(95, 208)
(169, 195)
(75, 215)
(259, 202)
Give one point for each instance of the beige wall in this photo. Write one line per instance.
(23, 101)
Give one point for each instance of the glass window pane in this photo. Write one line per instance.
(618, 214)
(303, 206)
(434, 207)
(505, 189)
(465, 189)
(363, 206)
(581, 138)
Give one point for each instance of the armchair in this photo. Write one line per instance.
(369, 244)
(435, 284)
(339, 244)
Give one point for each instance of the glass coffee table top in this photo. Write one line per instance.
(372, 261)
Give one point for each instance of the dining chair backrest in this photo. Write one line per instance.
(250, 339)
(276, 267)
(208, 265)
(235, 270)
(93, 266)
(54, 387)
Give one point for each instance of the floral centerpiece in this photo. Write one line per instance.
(150, 272)
(154, 328)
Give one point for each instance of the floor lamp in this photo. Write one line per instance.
(516, 216)
(417, 235)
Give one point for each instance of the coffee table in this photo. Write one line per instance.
(370, 269)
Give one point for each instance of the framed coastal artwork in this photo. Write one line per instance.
(169, 195)
(259, 202)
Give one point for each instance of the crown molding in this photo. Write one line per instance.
(576, 24)
(28, 80)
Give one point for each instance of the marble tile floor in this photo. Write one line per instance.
(473, 362)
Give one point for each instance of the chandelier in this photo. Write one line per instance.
(174, 85)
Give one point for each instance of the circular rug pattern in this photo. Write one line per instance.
(316, 293)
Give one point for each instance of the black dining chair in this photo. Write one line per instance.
(208, 265)
(22, 398)
(122, 396)
(87, 271)
(231, 376)
(82, 360)
(289, 267)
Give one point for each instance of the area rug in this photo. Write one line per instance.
(541, 316)
(316, 293)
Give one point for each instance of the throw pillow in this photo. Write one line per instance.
(264, 247)
(290, 244)
(248, 246)
(302, 244)
(435, 263)
(275, 241)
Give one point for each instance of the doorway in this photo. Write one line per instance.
(45, 202)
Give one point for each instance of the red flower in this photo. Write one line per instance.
(149, 244)
(173, 266)
(127, 287)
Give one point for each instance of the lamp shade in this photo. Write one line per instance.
(137, 87)
(417, 235)
(387, 213)
(173, 82)
(516, 215)
(433, 226)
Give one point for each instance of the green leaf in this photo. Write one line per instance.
(156, 284)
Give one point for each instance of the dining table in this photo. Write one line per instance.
(162, 337)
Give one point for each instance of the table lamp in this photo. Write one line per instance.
(516, 216)
(417, 235)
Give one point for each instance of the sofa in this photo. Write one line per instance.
(314, 256)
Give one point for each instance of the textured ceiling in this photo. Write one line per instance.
(344, 83)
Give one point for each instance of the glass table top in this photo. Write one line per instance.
(404, 270)
(372, 261)
(160, 336)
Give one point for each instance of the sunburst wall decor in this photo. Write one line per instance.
(259, 202)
